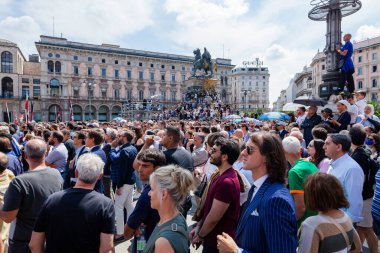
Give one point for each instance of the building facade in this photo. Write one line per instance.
(250, 87)
(318, 66)
(303, 82)
(366, 61)
(299, 85)
(99, 79)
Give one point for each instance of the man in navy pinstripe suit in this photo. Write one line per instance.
(268, 222)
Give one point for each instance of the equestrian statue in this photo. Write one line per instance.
(202, 62)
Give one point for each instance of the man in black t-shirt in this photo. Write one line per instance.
(26, 194)
(77, 220)
(173, 153)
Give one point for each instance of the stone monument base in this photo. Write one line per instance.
(330, 84)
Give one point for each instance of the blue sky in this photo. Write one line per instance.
(277, 31)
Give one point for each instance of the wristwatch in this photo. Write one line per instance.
(200, 237)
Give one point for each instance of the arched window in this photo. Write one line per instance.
(7, 87)
(50, 66)
(116, 110)
(374, 83)
(225, 80)
(87, 112)
(222, 80)
(58, 67)
(141, 95)
(55, 113)
(103, 113)
(360, 85)
(77, 111)
(6, 62)
(54, 87)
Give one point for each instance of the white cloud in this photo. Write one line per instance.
(19, 30)
(367, 31)
(86, 21)
(92, 21)
(269, 31)
(195, 12)
(4, 7)
(275, 52)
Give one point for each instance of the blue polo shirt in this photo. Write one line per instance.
(348, 63)
(143, 213)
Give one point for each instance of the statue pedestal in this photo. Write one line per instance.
(330, 84)
(200, 87)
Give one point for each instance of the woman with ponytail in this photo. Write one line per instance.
(169, 187)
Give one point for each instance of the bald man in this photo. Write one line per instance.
(348, 69)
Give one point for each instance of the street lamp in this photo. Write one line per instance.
(245, 92)
(90, 87)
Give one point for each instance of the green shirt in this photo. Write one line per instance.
(297, 176)
(175, 231)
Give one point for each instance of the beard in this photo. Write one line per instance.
(217, 161)
(51, 142)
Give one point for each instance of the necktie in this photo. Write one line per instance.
(250, 193)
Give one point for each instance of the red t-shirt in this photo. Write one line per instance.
(225, 188)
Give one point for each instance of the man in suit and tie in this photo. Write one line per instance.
(94, 140)
(268, 222)
(80, 149)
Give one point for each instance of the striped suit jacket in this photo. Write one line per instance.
(268, 223)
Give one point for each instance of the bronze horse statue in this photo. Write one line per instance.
(202, 61)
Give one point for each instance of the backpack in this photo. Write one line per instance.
(374, 168)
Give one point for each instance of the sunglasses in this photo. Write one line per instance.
(250, 150)
(311, 145)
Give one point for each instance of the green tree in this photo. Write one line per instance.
(376, 105)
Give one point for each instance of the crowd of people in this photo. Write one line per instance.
(305, 186)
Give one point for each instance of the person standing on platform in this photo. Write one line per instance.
(347, 69)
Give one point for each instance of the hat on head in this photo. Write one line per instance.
(344, 102)
(328, 110)
(280, 123)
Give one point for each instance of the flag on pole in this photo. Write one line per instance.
(26, 108)
(9, 118)
(71, 110)
(60, 112)
(31, 111)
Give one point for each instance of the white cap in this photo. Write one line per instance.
(344, 102)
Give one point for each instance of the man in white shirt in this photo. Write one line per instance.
(361, 102)
(353, 109)
(58, 154)
(348, 171)
(301, 115)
